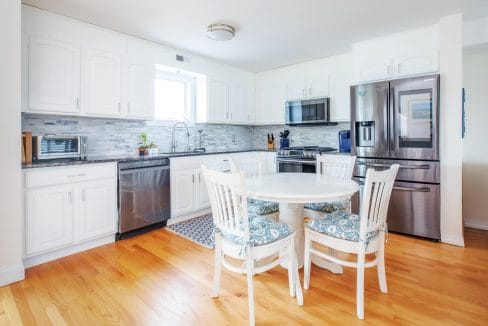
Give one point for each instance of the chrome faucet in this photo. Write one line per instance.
(173, 138)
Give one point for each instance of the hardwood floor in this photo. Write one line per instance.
(160, 278)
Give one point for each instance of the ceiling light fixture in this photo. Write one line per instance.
(220, 32)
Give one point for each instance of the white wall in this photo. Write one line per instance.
(475, 151)
(451, 146)
(11, 268)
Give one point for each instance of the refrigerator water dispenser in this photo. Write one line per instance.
(365, 133)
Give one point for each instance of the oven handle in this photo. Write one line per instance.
(385, 165)
(412, 189)
(297, 162)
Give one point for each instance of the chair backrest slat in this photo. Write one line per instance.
(227, 194)
(376, 197)
(337, 166)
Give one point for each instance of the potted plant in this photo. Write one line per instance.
(143, 149)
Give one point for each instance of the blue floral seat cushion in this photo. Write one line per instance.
(262, 230)
(261, 207)
(330, 207)
(341, 225)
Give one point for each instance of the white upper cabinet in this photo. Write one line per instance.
(340, 99)
(392, 56)
(140, 102)
(54, 76)
(296, 89)
(273, 109)
(250, 105)
(102, 83)
(237, 103)
(218, 100)
(318, 86)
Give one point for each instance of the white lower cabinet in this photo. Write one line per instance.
(182, 192)
(68, 209)
(188, 188)
(49, 218)
(96, 213)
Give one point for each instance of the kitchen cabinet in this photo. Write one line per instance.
(218, 100)
(49, 218)
(268, 161)
(97, 213)
(237, 103)
(182, 192)
(400, 55)
(340, 99)
(68, 209)
(140, 80)
(251, 105)
(54, 76)
(202, 199)
(102, 83)
(271, 101)
(309, 88)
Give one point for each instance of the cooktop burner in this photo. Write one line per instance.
(303, 151)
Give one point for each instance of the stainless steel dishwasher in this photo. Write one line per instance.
(144, 197)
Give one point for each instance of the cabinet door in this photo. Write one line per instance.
(140, 103)
(274, 104)
(374, 70)
(340, 97)
(97, 209)
(54, 76)
(318, 87)
(182, 192)
(49, 218)
(417, 63)
(102, 83)
(268, 162)
(296, 89)
(237, 103)
(202, 198)
(250, 105)
(218, 101)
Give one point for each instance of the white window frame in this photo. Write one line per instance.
(190, 94)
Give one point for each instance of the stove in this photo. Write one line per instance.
(300, 159)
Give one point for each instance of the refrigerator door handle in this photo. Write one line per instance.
(385, 165)
(412, 189)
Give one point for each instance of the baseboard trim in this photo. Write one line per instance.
(456, 241)
(12, 274)
(475, 225)
(179, 219)
(63, 252)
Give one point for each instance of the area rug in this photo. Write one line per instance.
(198, 230)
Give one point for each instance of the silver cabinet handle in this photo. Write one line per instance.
(199, 178)
(70, 197)
(77, 102)
(412, 189)
(399, 69)
(310, 91)
(193, 178)
(385, 165)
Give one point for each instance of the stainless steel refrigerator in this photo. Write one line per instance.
(397, 121)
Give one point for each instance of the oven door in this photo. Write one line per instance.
(414, 208)
(296, 166)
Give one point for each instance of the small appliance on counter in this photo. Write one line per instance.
(345, 141)
(59, 146)
(284, 141)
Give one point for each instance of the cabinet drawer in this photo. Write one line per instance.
(68, 174)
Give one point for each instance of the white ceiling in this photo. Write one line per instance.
(270, 33)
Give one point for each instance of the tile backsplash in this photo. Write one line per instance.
(122, 137)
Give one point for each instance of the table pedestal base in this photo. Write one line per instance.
(292, 214)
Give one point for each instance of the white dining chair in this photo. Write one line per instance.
(247, 237)
(252, 168)
(355, 234)
(336, 166)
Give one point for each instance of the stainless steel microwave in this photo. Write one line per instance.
(307, 112)
(59, 146)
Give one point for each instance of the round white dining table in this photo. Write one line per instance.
(292, 191)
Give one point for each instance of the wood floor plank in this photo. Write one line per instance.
(161, 278)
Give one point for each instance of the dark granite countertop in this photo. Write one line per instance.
(104, 159)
